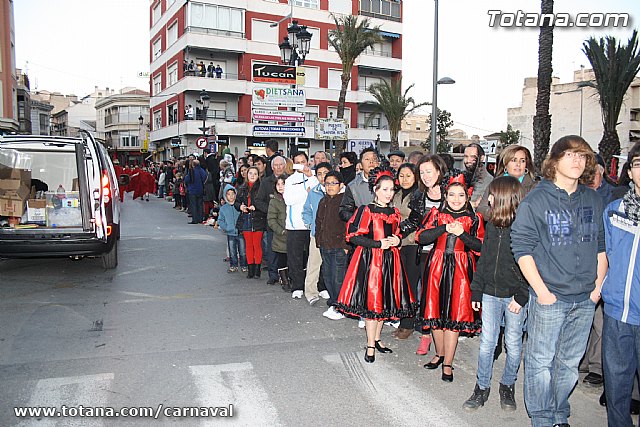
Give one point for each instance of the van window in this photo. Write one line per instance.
(54, 169)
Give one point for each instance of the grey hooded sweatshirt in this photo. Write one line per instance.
(564, 234)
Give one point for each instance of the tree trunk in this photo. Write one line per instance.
(609, 146)
(346, 78)
(393, 133)
(542, 119)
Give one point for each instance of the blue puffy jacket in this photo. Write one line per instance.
(228, 214)
(194, 179)
(621, 287)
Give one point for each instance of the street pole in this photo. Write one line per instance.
(434, 108)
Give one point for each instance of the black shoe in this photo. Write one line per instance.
(603, 400)
(251, 271)
(382, 349)
(271, 282)
(562, 425)
(507, 399)
(434, 365)
(593, 379)
(257, 271)
(448, 378)
(477, 399)
(635, 407)
(193, 222)
(372, 358)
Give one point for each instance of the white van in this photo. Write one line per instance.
(58, 198)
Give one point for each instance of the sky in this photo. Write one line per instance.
(70, 46)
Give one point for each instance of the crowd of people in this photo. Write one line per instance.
(411, 241)
(199, 69)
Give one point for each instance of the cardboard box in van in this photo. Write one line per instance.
(11, 184)
(19, 174)
(12, 201)
(37, 211)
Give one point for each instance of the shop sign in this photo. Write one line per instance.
(278, 96)
(331, 129)
(274, 131)
(271, 73)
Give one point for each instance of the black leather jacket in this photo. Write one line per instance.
(420, 206)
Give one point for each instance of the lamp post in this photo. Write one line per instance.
(293, 51)
(436, 82)
(205, 100)
(580, 86)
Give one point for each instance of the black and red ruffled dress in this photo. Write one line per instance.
(446, 292)
(375, 284)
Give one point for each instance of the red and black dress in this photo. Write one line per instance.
(446, 293)
(375, 284)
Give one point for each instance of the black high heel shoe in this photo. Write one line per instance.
(372, 358)
(447, 377)
(434, 365)
(382, 349)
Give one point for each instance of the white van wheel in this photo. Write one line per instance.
(110, 259)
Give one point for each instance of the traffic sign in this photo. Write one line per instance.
(201, 142)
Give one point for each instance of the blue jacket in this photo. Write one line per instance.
(228, 214)
(564, 234)
(310, 209)
(194, 180)
(621, 287)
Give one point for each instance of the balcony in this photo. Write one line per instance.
(228, 41)
(380, 62)
(229, 83)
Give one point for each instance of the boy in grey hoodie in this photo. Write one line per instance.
(227, 218)
(558, 241)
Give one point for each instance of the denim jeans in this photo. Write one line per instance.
(493, 310)
(160, 190)
(237, 249)
(558, 335)
(334, 263)
(195, 205)
(620, 358)
(269, 256)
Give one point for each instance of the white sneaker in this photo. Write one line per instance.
(314, 300)
(324, 294)
(297, 294)
(332, 314)
(361, 323)
(395, 324)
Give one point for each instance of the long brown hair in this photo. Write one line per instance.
(507, 193)
(509, 154)
(576, 144)
(437, 162)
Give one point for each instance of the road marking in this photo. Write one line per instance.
(386, 381)
(237, 384)
(86, 390)
(138, 270)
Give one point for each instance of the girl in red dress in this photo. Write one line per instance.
(445, 306)
(375, 286)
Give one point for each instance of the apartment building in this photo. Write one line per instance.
(8, 79)
(235, 35)
(121, 124)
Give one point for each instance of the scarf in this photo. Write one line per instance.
(632, 205)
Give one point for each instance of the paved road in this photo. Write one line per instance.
(170, 327)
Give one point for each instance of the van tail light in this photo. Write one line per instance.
(105, 187)
(109, 230)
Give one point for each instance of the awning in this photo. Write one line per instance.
(391, 35)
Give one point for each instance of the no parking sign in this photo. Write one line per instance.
(201, 142)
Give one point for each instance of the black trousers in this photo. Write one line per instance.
(297, 254)
(408, 257)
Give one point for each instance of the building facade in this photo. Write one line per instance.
(575, 110)
(235, 35)
(8, 79)
(119, 126)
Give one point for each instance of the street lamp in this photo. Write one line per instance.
(434, 110)
(580, 86)
(294, 49)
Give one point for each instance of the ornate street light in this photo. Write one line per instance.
(295, 47)
(285, 51)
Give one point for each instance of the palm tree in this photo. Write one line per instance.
(349, 39)
(615, 66)
(391, 101)
(542, 119)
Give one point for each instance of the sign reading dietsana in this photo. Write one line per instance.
(331, 128)
(278, 96)
(271, 73)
